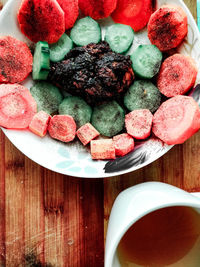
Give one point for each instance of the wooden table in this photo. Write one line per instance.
(47, 219)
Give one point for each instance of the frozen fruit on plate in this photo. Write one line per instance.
(133, 13)
(16, 60)
(17, 106)
(62, 128)
(177, 75)
(102, 149)
(176, 120)
(71, 11)
(167, 27)
(97, 9)
(41, 20)
(124, 143)
(108, 118)
(143, 94)
(77, 108)
(87, 133)
(47, 96)
(138, 123)
(39, 123)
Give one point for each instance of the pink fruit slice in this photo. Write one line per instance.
(123, 143)
(17, 106)
(62, 127)
(138, 123)
(86, 133)
(39, 123)
(176, 120)
(102, 149)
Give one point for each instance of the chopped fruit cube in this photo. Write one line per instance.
(123, 143)
(138, 123)
(102, 149)
(39, 123)
(86, 133)
(62, 127)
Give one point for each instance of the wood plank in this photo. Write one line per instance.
(53, 194)
(14, 205)
(83, 222)
(2, 199)
(34, 214)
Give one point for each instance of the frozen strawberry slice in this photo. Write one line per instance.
(17, 106)
(16, 60)
(62, 127)
(39, 123)
(177, 75)
(167, 27)
(86, 133)
(176, 120)
(123, 143)
(138, 123)
(102, 149)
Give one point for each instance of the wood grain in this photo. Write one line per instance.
(47, 219)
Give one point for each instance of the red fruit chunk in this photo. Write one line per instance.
(86, 133)
(17, 106)
(135, 13)
(138, 123)
(71, 11)
(177, 75)
(62, 127)
(15, 60)
(176, 120)
(39, 123)
(167, 27)
(97, 9)
(123, 143)
(102, 149)
(41, 20)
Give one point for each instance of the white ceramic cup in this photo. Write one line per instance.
(134, 203)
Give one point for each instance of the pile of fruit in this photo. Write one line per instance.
(86, 87)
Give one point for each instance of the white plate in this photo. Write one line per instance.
(73, 159)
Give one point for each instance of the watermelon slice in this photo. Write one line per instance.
(41, 20)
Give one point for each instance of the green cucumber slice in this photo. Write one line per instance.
(120, 37)
(47, 97)
(77, 108)
(108, 118)
(86, 31)
(61, 48)
(41, 61)
(146, 61)
(142, 95)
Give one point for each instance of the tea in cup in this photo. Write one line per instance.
(159, 226)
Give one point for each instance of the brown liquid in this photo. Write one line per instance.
(166, 237)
